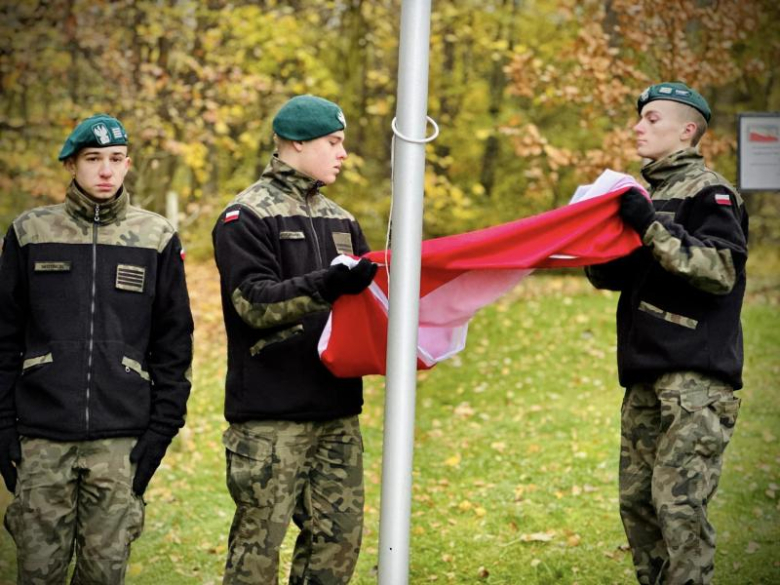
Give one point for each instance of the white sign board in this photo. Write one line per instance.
(759, 151)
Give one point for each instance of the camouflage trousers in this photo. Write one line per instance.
(74, 497)
(309, 472)
(673, 435)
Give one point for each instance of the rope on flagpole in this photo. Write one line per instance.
(405, 138)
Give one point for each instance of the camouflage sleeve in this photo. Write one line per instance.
(613, 275)
(12, 324)
(711, 249)
(170, 347)
(248, 262)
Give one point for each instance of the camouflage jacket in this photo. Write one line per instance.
(95, 324)
(681, 293)
(273, 244)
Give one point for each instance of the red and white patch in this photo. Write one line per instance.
(722, 199)
(231, 216)
(182, 254)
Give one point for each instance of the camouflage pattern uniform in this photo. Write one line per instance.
(95, 357)
(311, 472)
(74, 494)
(674, 432)
(680, 360)
(293, 447)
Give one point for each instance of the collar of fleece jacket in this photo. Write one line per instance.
(287, 178)
(82, 207)
(677, 163)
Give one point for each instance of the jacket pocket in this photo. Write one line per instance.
(50, 392)
(120, 395)
(132, 365)
(276, 337)
(668, 316)
(32, 362)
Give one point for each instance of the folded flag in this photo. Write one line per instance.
(462, 273)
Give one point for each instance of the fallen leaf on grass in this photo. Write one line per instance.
(752, 547)
(538, 536)
(453, 461)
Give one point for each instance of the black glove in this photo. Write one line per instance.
(342, 280)
(637, 210)
(10, 454)
(147, 453)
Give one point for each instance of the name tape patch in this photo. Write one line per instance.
(52, 266)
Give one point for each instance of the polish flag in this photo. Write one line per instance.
(231, 216)
(462, 273)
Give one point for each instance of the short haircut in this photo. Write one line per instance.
(690, 114)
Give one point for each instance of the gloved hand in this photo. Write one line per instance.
(147, 453)
(10, 454)
(637, 210)
(342, 280)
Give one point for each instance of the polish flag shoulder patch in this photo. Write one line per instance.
(231, 216)
(722, 199)
(182, 254)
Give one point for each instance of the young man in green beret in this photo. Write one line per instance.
(294, 448)
(679, 339)
(95, 355)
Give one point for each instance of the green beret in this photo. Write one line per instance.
(99, 130)
(676, 92)
(306, 117)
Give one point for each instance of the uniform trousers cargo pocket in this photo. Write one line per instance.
(698, 415)
(250, 471)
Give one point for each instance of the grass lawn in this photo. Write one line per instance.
(516, 453)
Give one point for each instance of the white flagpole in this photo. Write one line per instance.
(401, 381)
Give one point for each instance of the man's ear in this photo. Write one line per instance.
(70, 165)
(297, 145)
(688, 131)
(128, 163)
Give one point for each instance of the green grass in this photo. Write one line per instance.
(516, 451)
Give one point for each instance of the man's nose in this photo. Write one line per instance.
(105, 169)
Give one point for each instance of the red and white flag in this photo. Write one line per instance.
(462, 273)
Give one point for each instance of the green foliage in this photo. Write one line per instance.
(532, 97)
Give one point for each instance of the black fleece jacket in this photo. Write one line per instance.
(681, 293)
(273, 244)
(95, 323)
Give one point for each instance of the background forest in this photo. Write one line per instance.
(533, 96)
(516, 441)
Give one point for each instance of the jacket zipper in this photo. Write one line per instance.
(92, 309)
(314, 231)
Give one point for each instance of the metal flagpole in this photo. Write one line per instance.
(409, 158)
